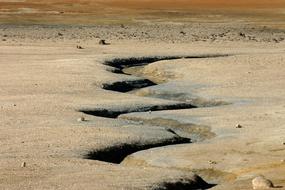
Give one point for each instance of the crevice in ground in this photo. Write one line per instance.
(128, 85)
(121, 63)
(185, 184)
(117, 153)
(115, 112)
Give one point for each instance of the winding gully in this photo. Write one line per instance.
(117, 153)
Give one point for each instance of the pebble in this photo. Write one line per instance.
(238, 126)
(23, 165)
(212, 162)
(102, 42)
(260, 182)
(79, 47)
(81, 119)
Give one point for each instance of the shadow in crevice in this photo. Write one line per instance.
(127, 85)
(117, 153)
(121, 63)
(183, 184)
(115, 112)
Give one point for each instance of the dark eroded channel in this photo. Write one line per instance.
(115, 112)
(117, 153)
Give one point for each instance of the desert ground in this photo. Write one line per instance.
(185, 95)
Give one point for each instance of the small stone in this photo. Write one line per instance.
(275, 40)
(212, 162)
(238, 126)
(60, 34)
(81, 119)
(283, 143)
(79, 47)
(149, 111)
(102, 42)
(260, 182)
(23, 165)
(242, 34)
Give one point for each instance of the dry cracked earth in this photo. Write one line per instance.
(163, 105)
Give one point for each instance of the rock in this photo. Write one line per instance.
(79, 47)
(212, 162)
(102, 42)
(23, 165)
(238, 126)
(260, 182)
(81, 119)
(275, 40)
(242, 34)
(59, 34)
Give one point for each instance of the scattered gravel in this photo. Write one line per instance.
(163, 32)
